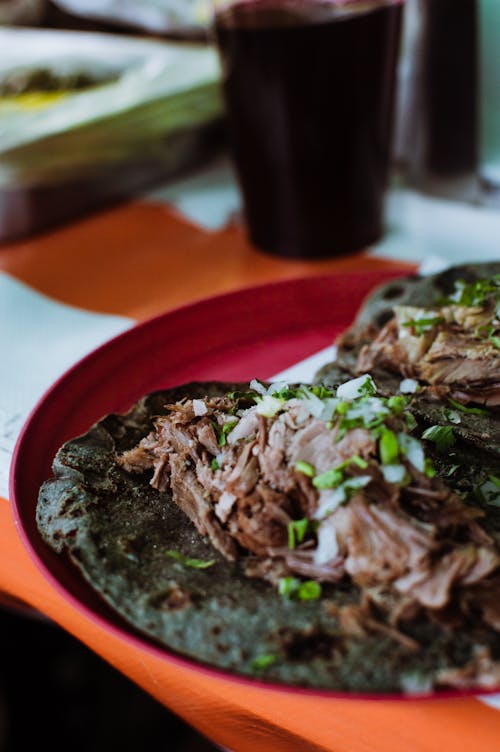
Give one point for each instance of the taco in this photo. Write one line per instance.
(298, 534)
(437, 337)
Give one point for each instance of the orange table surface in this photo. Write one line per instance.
(139, 260)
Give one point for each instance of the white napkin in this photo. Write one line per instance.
(39, 340)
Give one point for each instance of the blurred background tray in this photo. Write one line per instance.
(155, 109)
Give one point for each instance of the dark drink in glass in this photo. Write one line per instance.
(309, 88)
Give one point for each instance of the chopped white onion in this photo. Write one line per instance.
(368, 411)
(329, 500)
(328, 547)
(359, 481)
(414, 683)
(199, 408)
(354, 388)
(277, 386)
(413, 450)
(269, 406)
(329, 407)
(313, 403)
(258, 387)
(408, 386)
(394, 473)
(247, 425)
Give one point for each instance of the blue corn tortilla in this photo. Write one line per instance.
(146, 560)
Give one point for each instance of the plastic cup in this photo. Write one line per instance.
(309, 91)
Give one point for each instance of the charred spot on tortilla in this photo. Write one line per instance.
(292, 533)
(438, 337)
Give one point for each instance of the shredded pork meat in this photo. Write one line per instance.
(244, 479)
(451, 352)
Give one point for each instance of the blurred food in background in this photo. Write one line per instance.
(88, 117)
(184, 17)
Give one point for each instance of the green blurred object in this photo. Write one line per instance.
(147, 115)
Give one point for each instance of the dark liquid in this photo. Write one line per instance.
(309, 91)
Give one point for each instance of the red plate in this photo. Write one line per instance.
(251, 333)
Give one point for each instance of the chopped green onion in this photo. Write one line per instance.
(322, 392)
(215, 464)
(288, 586)
(330, 479)
(291, 587)
(442, 436)
(297, 530)
(388, 447)
(453, 469)
(410, 421)
(186, 561)
(305, 468)
(263, 661)
(397, 403)
(225, 431)
(342, 407)
(429, 469)
(309, 591)
(495, 480)
(358, 461)
(420, 326)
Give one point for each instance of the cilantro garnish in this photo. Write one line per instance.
(245, 396)
(468, 410)
(442, 436)
(474, 293)
(186, 561)
(494, 340)
(368, 389)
